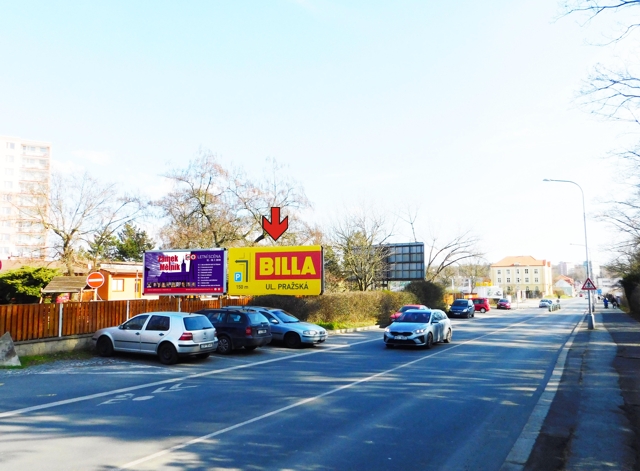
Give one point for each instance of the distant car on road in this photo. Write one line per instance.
(481, 304)
(404, 308)
(462, 308)
(169, 335)
(238, 328)
(545, 303)
(503, 304)
(419, 328)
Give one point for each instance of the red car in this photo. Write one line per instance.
(503, 304)
(406, 307)
(481, 304)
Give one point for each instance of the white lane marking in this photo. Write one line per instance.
(304, 401)
(174, 388)
(169, 381)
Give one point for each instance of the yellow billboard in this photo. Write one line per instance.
(258, 271)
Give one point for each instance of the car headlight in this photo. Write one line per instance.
(310, 332)
(419, 331)
(387, 329)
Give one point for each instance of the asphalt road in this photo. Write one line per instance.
(348, 404)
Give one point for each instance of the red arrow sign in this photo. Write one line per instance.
(275, 228)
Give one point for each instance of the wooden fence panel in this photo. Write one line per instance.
(41, 321)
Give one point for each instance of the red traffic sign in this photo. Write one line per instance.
(588, 285)
(95, 279)
(275, 228)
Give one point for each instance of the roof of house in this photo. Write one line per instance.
(566, 278)
(66, 284)
(521, 260)
(122, 268)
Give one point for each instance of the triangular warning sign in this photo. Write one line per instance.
(588, 284)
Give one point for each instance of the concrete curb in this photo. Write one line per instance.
(355, 329)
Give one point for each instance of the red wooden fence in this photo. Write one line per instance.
(41, 321)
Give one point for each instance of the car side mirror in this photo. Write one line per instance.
(121, 327)
(274, 321)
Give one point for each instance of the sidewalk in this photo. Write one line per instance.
(593, 421)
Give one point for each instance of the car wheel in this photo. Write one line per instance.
(251, 348)
(447, 339)
(202, 356)
(167, 354)
(292, 340)
(473, 314)
(483, 310)
(429, 343)
(224, 345)
(104, 346)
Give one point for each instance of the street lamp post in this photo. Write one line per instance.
(586, 247)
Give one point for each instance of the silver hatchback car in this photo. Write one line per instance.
(169, 335)
(419, 328)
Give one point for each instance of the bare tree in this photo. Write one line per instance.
(77, 209)
(212, 206)
(477, 270)
(357, 240)
(455, 251)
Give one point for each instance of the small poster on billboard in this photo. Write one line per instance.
(185, 272)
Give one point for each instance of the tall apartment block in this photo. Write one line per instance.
(24, 168)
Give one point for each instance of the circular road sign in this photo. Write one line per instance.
(95, 279)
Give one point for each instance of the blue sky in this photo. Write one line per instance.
(455, 109)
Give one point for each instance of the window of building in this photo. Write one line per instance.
(11, 145)
(508, 271)
(499, 280)
(508, 280)
(518, 280)
(499, 272)
(117, 284)
(5, 210)
(535, 280)
(517, 271)
(44, 150)
(8, 185)
(535, 271)
(8, 159)
(5, 236)
(526, 271)
(8, 172)
(526, 280)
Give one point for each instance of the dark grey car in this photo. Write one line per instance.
(462, 308)
(290, 330)
(238, 328)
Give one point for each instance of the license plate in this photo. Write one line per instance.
(262, 331)
(206, 345)
(400, 337)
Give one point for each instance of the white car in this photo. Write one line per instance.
(419, 328)
(169, 335)
(545, 303)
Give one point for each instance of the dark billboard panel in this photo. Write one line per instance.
(184, 272)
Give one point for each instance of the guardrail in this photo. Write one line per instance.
(42, 321)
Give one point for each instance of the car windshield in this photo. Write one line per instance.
(460, 302)
(415, 316)
(197, 323)
(504, 300)
(285, 316)
(406, 308)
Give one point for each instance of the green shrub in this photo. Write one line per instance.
(427, 293)
(341, 310)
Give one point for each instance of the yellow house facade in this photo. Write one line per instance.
(523, 274)
(121, 281)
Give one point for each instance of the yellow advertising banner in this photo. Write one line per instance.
(276, 270)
